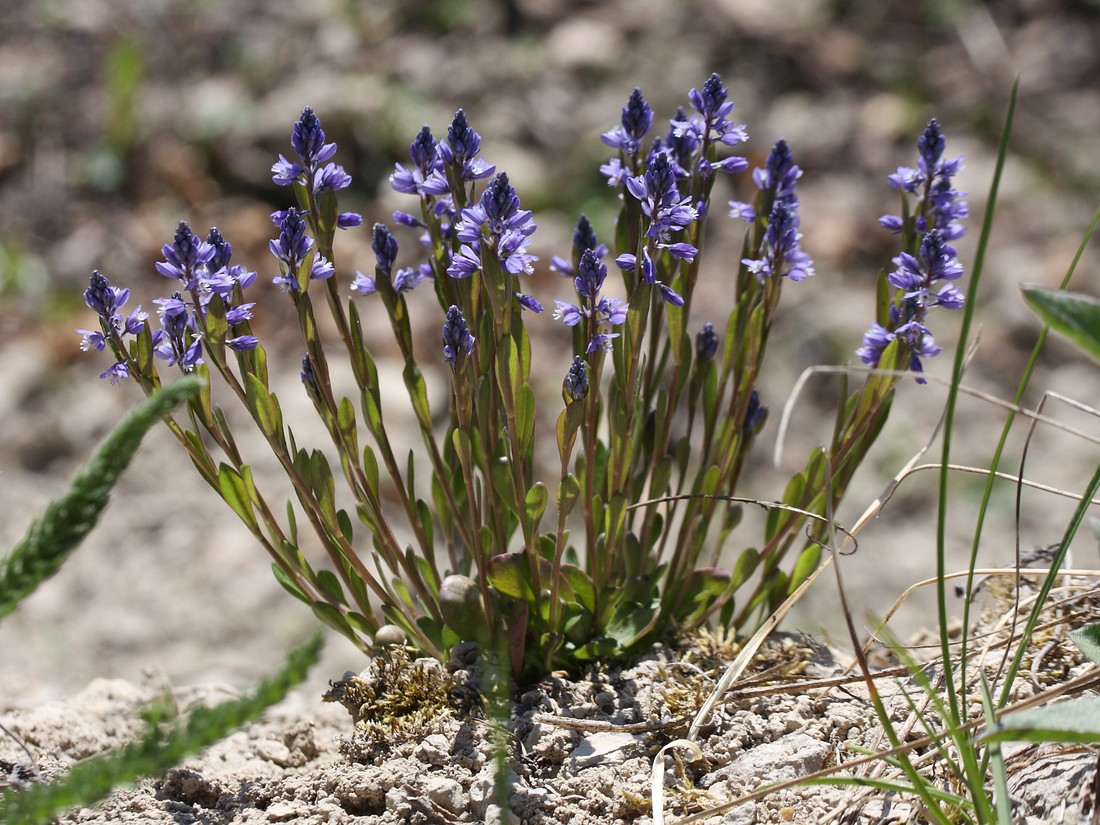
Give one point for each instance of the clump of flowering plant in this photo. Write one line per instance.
(623, 544)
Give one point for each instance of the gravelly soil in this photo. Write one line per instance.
(170, 584)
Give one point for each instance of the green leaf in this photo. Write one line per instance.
(329, 583)
(510, 575)
(581, 584)
(234, 492)
(630, 622)
(262, 404)
(704, 586)
(1077, 720)
(808, 561)
(332, 617)
(289, 584)
(1087, 639)
(744, 567)
(345, 420)
(418, 395)
(1071, 314)
(569, 490)
(537, 496)
(525, 419)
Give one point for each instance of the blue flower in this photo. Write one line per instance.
(104, 299)
(706, 343)
(177, 342)
(776, 180)
(575, 385)
(456, 336)
(426, 177)
(939, 204)
(497, 220)
(308, 141)
(637, 118)
(713, 125)
(461, 147)
(116, 372)
(185, 256)
(602, 313)
(780, 255)
(660, 199)
(291, 248)
(309, 378)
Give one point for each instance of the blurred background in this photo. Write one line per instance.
(118, 119)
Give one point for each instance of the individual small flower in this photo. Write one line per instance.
(92, 340)
(527, 302)
(239, 314)
(346, 220)
(755, 416)
(309, 379)
(456, 336)
(364, 284)
(116, 372)
(575, 385)
(242, 343)
(384, 246)
(706, 343)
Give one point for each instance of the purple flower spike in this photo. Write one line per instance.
(308, 141)
(384, 245)
(939, 205)
(104, 299)
(461, 147)
(456, 336)
(713, 125)
(184, 256)
(575, 385)
(637, 118)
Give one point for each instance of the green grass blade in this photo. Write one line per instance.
(158, 749)
(66, 522)
(953, 396)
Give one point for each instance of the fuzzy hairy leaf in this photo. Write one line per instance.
(159, 748)
(68, 520)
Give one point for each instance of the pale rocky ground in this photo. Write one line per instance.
(169, 588)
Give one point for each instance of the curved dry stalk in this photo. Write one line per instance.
(1090, 678)
(963, 388)
(961, 574)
